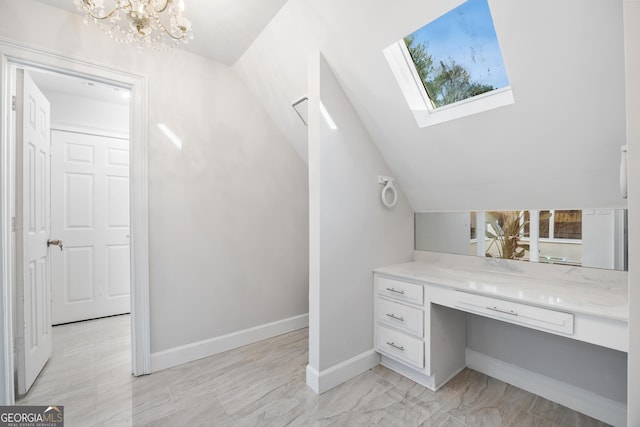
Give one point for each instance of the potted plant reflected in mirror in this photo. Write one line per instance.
(506, 229)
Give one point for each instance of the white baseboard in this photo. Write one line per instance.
(578, 399)
(342, 372)
(198, 350)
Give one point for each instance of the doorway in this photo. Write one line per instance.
(12, 58)
(72, 210)
(89, 206)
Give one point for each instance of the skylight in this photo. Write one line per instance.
(453, 63)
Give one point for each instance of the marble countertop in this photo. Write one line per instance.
(602, 298)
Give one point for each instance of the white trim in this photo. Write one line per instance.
(12, 54)
(578, 399)
(337, 374)
(6, 264)
(139, 182)
(313, 379)
(205, 348)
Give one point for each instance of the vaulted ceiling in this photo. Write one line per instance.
(556, 147)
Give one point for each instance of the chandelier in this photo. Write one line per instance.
(157, 24)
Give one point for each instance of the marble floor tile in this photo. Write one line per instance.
(274, 408)
(525, 419)
(390, 409)
(264, 384)
(440, 419)
(485, 401)
(560, 415)
(205, 412)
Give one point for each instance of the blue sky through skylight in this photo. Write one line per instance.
(466, 35)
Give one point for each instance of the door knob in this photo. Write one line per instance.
(54, 243)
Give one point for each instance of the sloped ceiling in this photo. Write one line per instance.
(223, 29)
(556, 147)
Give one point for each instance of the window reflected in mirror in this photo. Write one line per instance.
(590, 238)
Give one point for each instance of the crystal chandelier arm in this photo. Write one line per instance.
(124, 5)
(107, 16)
(163, 8)
(170, 34)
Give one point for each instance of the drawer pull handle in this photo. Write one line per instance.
(401, 292)
(511, 312)
(401, 348)
(393, 316)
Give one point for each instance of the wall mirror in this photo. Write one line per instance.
(583, 237)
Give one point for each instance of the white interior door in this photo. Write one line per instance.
(90, 214)
(33, 309)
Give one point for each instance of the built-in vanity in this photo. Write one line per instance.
(421, 312)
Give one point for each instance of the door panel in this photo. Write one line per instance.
(117, 270)
(90, 214)
(117, 212)
(33, 148)
(79, 201)
(79, 278)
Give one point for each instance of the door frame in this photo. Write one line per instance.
(19, 55)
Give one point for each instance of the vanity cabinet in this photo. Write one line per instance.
(409, 320)
(400, 321)
(421, 312)
(423, 342)
(420, 316)
(519, 314)
(400, 291)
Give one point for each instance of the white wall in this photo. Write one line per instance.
(557, 146)
(228, 212)
(351, 233)
(90, 114)
(632, 57)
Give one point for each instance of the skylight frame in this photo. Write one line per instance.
(423, 108)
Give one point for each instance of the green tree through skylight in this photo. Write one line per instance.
(457, 56)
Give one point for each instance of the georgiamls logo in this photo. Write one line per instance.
(32, 416)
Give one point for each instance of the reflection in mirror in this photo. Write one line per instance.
(589, 238)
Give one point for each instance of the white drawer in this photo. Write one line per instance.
(400, 316)
(400, 346)
(401, 291)
(512, 312)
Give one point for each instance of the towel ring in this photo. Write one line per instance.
(389, 187)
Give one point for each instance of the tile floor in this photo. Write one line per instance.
(263, 384)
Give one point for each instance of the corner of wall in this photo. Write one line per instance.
(351, 232)
(337, 374)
